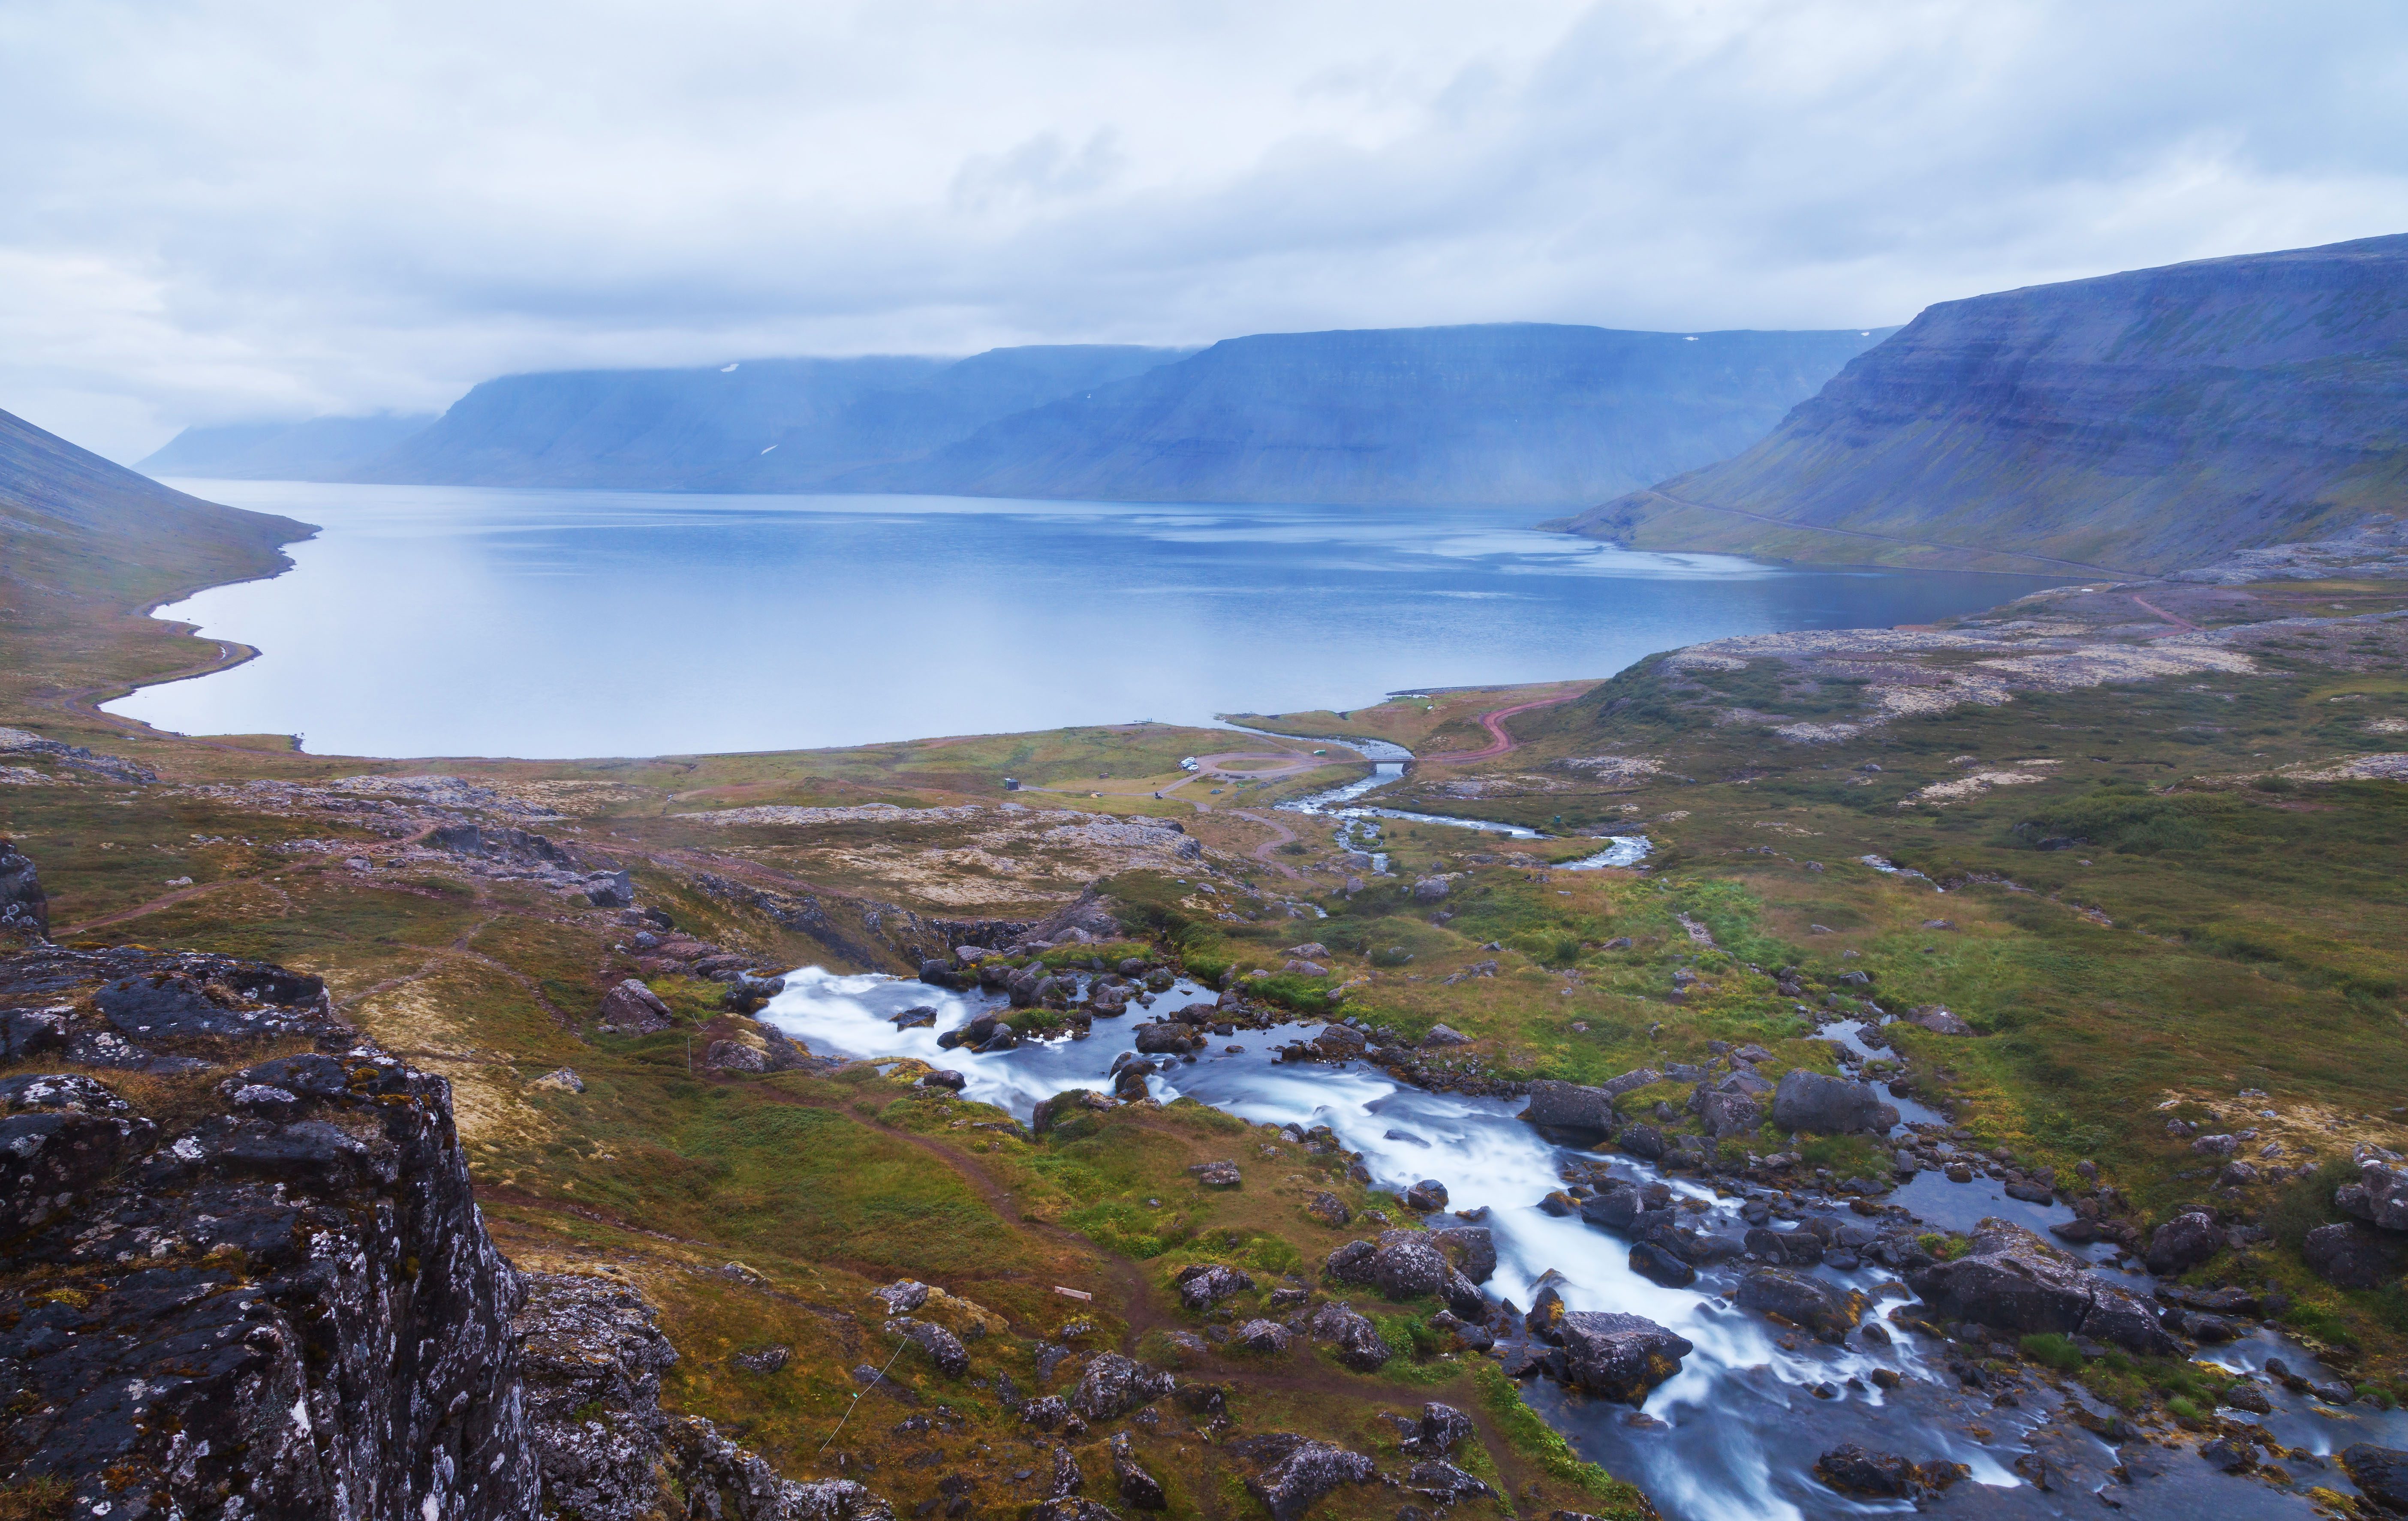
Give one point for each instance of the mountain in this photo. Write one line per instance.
(1510, 414)
(321, 449)
(85, 546)
(777, 424)
(2146, 421)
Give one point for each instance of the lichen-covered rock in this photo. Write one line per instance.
(1206, 1284)
(1439, 1480)
(592, 1354)
(633, 1009)
(1350, 1334)
(1617, 1356)
(723, 1482)
(1329, 1210)
(943, 1347)
(1114, 1386)
(1859, 1471)
(25, 907)
(2013, 1281)
(287, 1302)
(1823, 1105)
(1437, 1433)
(1292, 1472)
(2379, 1196)
(1473, 1249)
(1267, 1338)
(1822, 1309)
(2381, 1474)
(2351, 1256)
(2184, 1243)
(1138, 1488)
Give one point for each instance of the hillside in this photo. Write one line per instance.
(86, 546)
(2144, 420)
(778, 424)
(1510, 414)
(317, 450)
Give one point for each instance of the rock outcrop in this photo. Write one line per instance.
(2013, 1281)
(289, 1300)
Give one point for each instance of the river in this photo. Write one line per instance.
(1731, 1437)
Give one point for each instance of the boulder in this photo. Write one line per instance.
(2381, 1474)
(2351, 1256)
(1857, 1470)
(1440, 1035)
(734, 1056)
(1339, 1042)
(1114, 1386)
(1206, 1284)
(2379, 1196)
(1298, 966)
(1429, 889)
(1570, 1106)
(1441, 1428)
(942, 1346)
(1138, 1488)
(1161, 1038)
(1217, 1174)
(941, 974)
(1296, 1473)
(1338, 1326)
(1329, 1210)
(633, 1009)
(1658, 1266)
(2013, 1281)
(918, 1017)
(1265, 1337)
(2183, 1243)
(1822, 1309)
(1729, 1114)
(1427, 1196)
(1784, 1248)
(1940, 1021)
(23, 906)
(1642, 1141)
(946, 1078)
(1617, 1356)
(1437, 1480)
(1473, 1249)
(1828, 1106)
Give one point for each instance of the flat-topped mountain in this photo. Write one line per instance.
(777, 424)
(2150, 419)
(1513, 414)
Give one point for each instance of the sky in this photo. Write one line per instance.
(230, 211)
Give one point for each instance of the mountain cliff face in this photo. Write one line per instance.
(778, 424)
(321, 449)
(2145, 420)
(1510, 414)
(1514, 414)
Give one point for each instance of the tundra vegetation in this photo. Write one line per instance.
(2154, 884)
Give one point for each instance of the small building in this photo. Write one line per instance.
(1011, 784)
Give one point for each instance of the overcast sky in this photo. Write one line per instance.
(227, 211)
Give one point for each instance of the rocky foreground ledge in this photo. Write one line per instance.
(243, 1274)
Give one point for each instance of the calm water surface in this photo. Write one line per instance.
(432, 620)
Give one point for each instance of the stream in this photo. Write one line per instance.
(1733, 1435)
(1357, 829)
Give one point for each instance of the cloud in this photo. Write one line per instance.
(221, 209)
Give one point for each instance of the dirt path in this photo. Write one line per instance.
(1280, 835)
(2162, 614)
(1500, 743)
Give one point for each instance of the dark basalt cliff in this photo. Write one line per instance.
(243, 1275)
(2148, 421)
(258, 1290)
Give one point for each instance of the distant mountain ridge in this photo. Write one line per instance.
(1529, 415)
(2145, 421)
(1526, 414)
(321, 449)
